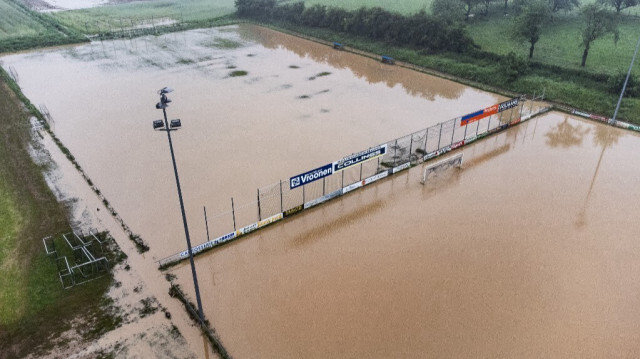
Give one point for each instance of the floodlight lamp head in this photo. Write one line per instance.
(166, 90)
(161, 105)
(158, 124)
(176, 124)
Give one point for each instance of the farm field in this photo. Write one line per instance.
(99, 19)
(528, 251)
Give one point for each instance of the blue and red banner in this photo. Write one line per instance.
(479, 115)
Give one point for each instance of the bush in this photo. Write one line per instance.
(615, 83)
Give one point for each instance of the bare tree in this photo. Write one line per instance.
(620, 5)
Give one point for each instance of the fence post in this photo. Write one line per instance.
(464, 137)
(395, 150)
(410, 147)
(303, 199)
(489, 124)
(521, 108)
(360, 171)
(206, 222)
(440, 136)
(281, 206)
(259, 212)
(426, 138)
(323, 185)
(342, 184)
(453, 130)
(534, 98)
(233, 213)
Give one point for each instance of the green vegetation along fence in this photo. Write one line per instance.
(286, 198)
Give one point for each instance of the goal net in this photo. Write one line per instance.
(453, 161)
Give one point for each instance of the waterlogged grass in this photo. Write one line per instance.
(102, 19)
(222, 43)
(238, 73)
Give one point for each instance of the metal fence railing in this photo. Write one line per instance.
(278, 200)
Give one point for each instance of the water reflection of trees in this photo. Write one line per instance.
(362, 67)
(604, 137)
(565, 134)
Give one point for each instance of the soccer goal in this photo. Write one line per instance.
(453, 161)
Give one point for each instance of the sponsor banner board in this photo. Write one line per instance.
(457, 144)
(268, 221)
(359, 157)
(403, 166)
(352, 186)
(324, 198)
(437, 153)
(292, 211)
(479, 115)
(514, 122)
(470, 139)
(248, 229)
(374, 178)
(308, 177)
(503, 106)
(599, 118)
(210, 244)
(583, 114)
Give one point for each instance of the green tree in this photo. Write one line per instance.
(597, 22)
(468, 6)
(566, 5)
(620, 5)
(449, 11)
(528, 25)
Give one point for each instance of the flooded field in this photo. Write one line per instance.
(300, 105)
(530, 250)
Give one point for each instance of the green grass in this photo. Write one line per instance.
(238, 73)
(404, 7)
(33, 306)
(102, 19)
(560, 43)
(21, 28)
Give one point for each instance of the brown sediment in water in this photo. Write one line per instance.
(239, 133)
(528, 251)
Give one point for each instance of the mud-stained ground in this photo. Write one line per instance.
(150, 324)
(299, 105)
(529, 251)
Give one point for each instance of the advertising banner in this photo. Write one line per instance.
(352, 186)
(479, 115)
(248, 229)
(294, 210)
(360, 157)
(375, 178)
(308, 177)
(403, 166)
(268, 221)
(209, 244)
(325, 198)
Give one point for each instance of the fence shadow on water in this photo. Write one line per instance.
(278, 200)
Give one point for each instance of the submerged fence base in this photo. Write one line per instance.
(284, 199)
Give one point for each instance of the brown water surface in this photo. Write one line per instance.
(301, 105)
(529, 251)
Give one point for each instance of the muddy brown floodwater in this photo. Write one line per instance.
(529, 251)
(300, 106)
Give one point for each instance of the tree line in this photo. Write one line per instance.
(428, 32)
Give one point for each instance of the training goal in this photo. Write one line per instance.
(443, 164)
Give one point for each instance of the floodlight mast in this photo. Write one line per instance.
(175, 125)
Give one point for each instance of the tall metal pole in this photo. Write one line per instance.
(624, 87)
(184, 219)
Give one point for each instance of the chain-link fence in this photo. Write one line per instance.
(279, 200)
